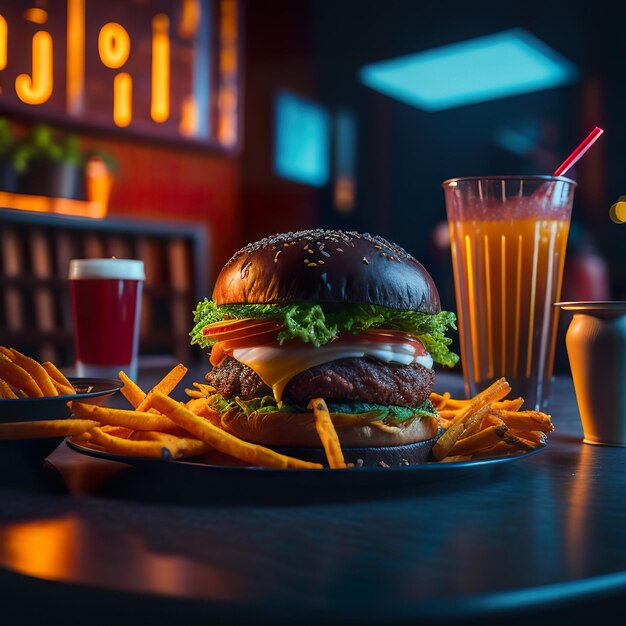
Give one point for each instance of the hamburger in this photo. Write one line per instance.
(348, 317)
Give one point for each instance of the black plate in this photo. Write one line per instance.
(368, 475)
(198, 482)
(55, 407)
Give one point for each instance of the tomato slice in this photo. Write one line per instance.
(253, 332)
(242, 331)
(258, 339)
(231, 324)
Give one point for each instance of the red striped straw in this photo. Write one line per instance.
(582, 148)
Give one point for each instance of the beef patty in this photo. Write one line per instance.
(350, 380)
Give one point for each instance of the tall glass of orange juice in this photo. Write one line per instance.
(508, 238)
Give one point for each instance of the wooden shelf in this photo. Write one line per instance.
(35, 308)
(45, 204)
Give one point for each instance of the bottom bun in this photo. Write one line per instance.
(392, 456)
(297, 430)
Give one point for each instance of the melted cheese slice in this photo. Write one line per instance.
(277, 365)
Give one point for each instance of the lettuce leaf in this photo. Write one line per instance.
(313, 324)
(359, 411)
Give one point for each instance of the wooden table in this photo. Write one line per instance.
(541, 539)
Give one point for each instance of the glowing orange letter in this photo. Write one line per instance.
(114, 48)
(3, 42)
(160, 104)
(37, 88)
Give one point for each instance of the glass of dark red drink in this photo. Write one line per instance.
(106, 305)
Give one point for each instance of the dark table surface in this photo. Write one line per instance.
(85, 540)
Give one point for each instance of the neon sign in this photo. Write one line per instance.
(160, 68)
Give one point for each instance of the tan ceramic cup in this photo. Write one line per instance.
(596, 347)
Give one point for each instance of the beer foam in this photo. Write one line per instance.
(129, 269)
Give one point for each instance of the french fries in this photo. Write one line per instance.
(486, 438)
(131, 390)
(160, 427)
(16, 376)
(23, 377)
(484, 426)
(199, 406)
(327, 433)
(526, 420)
(132, 420)
(487, 425)
(156, 425)
(221, 440)
(6, 392)
(163, 446)
(469, 416)
(137, 396)
(58, 378)
(45, 428)
(167, 384)
(38, 373)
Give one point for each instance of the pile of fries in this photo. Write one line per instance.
(487, 425)
(23, 377)
(158, 426)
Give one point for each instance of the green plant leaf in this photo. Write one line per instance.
(6, 136)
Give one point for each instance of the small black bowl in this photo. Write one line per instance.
(21, 453)
(90, 390)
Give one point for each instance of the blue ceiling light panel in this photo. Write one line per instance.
(504, 64)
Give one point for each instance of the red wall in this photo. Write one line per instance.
(158, 181)
(278, 49)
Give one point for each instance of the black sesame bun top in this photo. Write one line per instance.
(328, 266)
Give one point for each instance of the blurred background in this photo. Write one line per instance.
(178, 130)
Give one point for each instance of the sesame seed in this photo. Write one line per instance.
(312, 265)
(320, 262)
(365, 261)
(310, 251)
(277, 255)
(390, 257)
(306, 260)
(339, 250)
(324, 253)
